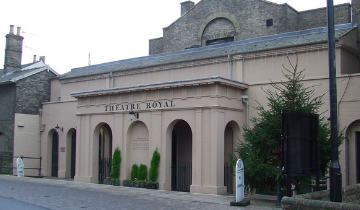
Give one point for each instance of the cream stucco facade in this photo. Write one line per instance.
(206, 95)
(190, 105)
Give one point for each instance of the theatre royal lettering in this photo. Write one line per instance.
(139, 106)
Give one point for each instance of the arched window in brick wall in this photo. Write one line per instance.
(219, 30)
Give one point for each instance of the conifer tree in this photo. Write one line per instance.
(260, 151)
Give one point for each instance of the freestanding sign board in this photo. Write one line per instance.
(240, 181)
(20, 166)
(240, 185)
(299, 145)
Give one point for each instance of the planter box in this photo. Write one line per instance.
(141, 184)
(115, 182)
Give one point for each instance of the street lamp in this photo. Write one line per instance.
(335, 171)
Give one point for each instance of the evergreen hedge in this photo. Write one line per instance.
(142, 172)
(115, 164)
(154, 166)
(134, 172)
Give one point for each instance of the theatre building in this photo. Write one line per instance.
(194, 93)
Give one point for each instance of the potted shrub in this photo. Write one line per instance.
(142, 172)
(134, 174)
(154, 171)
(115, 167)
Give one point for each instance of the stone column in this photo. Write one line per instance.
(62, 153)
(78, 147)
(197, 153)
(165, 158)
(217, 152)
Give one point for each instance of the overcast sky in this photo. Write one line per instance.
(65, 31)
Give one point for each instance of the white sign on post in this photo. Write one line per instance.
(240, 181)
(20, 166)
(240, 186)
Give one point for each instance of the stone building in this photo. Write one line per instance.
(23, 88)
(210, 22)
(191, 97)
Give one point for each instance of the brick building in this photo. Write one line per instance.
(22, 90)
(214, 21)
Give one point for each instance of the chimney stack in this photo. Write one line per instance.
(42, 58)
(13, 50)
(11, 29)
(186, 6)
(18, 31)
(34, 58)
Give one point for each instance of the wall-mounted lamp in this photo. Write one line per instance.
(57, 127)
(134, 114)
(245, 98)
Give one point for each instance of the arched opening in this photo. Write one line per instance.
(230, 139)
(70, 153)
(181, 157)
(54, 153)
(138, 145)
(102, 151)
(219, 30)
(352, 148)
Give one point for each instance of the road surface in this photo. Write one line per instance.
(17, 192)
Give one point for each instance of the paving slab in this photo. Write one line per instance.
(64, 194)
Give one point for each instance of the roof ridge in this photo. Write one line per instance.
(241, 46)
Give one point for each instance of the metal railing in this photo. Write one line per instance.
(104, 169)
(228, 177)
(6, 164)
(181, 177)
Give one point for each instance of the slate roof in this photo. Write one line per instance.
(26, 71)
(309, 36)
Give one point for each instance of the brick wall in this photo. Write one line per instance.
(7, 101)
(248, 18)
(26, 97)
(318, 17)
(32, 91)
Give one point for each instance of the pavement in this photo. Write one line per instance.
(65, 194)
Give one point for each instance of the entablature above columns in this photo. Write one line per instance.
(187, 94)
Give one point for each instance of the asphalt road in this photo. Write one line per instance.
(10, 203)
(16, 193)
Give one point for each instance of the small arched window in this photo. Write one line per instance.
(219, 30)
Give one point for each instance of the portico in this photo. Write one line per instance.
(184, 120)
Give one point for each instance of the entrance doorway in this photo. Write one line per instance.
(181, 158)
(105, 149)
(70, 153)
(73, 154)
(231, 138)
(228, 156)
(358, 156)
(55, 154)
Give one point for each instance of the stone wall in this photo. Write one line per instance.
(7, 101)
(32, 91)
(320, 200)
(156, 46)
(318, 17)
(26, 97)
(248, 18)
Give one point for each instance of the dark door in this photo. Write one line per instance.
(101, 160)
(73, 153)
(228, 177)
(105, 154)
(55, 155)
(358, 156)
(181, 157)
(173, 163)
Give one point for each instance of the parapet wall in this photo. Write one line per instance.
(320, 200)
